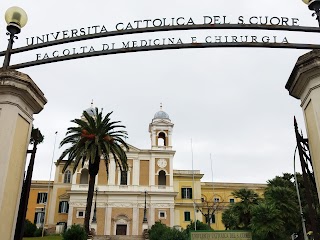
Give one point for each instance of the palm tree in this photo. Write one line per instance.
(248, 199)
(93, 137)
(230, 218)
(265, 222)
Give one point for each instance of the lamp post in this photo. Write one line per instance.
(314, 5)
(145, 220)
(16, 19)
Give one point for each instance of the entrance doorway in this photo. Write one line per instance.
(121, 229)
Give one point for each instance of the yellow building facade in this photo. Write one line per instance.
(174, 197)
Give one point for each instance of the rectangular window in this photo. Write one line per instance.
(216, 199)
(80, 214)
(124, 178)
(186, 193)
(63, 207)
(187, 216)
(162, 215)
(38, 217)
(42, 197)
(231, 200)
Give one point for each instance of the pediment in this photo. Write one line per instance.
(133, 148)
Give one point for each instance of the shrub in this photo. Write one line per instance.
(75, 232)
(38, 232)
(160, 231)
(29, 229)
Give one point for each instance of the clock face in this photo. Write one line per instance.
(162, 163)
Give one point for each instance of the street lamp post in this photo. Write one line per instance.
(314, 5)
(16, 19)
(145, 220)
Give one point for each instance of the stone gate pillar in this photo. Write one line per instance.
(20, 98)
(304, 84)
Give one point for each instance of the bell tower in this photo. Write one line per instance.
(161, 131)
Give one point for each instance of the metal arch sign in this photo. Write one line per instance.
(163, 25)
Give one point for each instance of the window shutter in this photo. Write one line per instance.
(67, 207)
(183, 193)
(60, 206)
(38, 198)
(190, 193)
(35, 217)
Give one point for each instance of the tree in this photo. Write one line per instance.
(230, 218)
(241, 211)
(285, 201)
(199, 225)
(160, 231)
(35, 139)
(93, 137)
(265, 222)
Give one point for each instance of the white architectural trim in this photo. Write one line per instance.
(107, 227)
(171, 171)
(112, 173)
(151, 219)
(70, 214)
(136, 221)
(171, 217)
(136, 172)
(122, 221)
(152, 166)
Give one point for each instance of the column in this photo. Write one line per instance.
(20, 98)
(136, 172)
(70, 214)
(171, 171)
(151, 219)
(171, 216)
(135, 220)
(152, 169)
(304, 84)
(112, 173)
(107, 228)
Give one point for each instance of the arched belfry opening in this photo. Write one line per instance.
(162, 139)
(162, 178)
(161, 131)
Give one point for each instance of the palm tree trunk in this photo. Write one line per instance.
(89, 202)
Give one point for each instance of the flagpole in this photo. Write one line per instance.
(212, 187)
(46, 205)
(194, 190)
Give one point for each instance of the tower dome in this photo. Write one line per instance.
(161, 114)
(91, 110)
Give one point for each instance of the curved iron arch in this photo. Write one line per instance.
(165, 47)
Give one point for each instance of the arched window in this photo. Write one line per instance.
(84, 178)
(162, 179)
(162, 139)
(67, 177)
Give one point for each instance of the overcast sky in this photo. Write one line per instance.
(231, 102)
